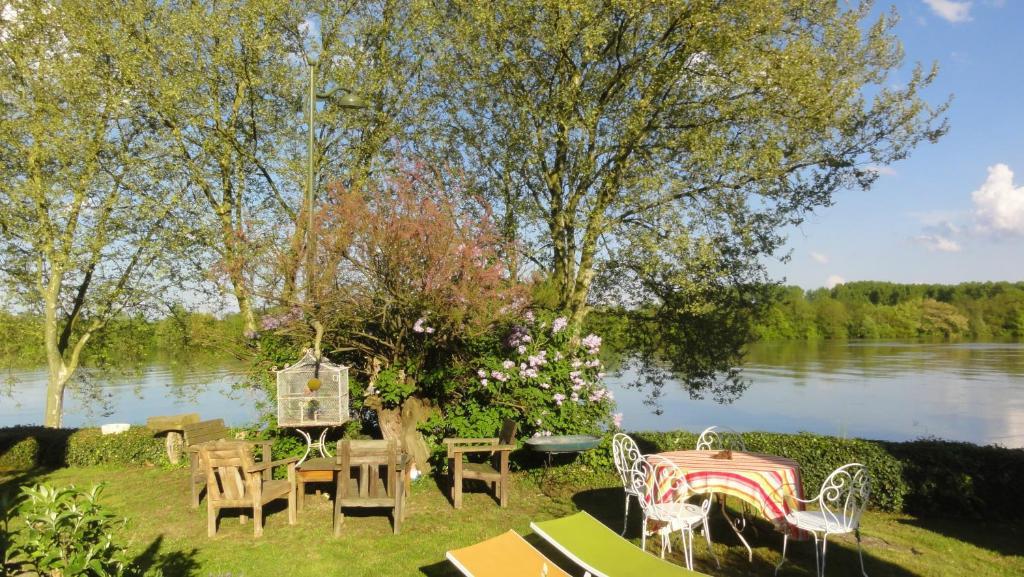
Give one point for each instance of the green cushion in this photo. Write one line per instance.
(602, 551)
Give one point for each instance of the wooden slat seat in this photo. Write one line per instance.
(494, 472)
(199, 434)
(234, 480)
(378, 482)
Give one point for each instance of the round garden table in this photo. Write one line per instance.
(763, 481)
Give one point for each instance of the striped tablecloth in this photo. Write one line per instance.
(763, 481)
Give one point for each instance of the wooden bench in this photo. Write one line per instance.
(198, 434)
(173, 425)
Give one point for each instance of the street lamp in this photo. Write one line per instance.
(349, 100)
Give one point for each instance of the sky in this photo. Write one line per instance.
(953, 211)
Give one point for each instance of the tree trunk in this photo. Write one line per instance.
(402, 424)
(57, 374)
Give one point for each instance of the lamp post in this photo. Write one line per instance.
(350, 101)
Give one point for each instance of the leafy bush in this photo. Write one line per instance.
(540, 376)
(947, 478)
(818, 456)
(67, 533)
(27, 447)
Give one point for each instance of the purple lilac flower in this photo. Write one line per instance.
(528, 315)
(544, 386)
(559, 324)
(559, 356)
(617, 418)
(516, 335)
(499, 376)
(418, 327)
(558, 398)
(521, 349)
(507, 364)
(481, 373)
(593, 343)
(576, 363)
(484, 382)
(593, 363)
(574, 397)
(530, 373)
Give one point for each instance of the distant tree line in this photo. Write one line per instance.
(880, 310)
(128, 339)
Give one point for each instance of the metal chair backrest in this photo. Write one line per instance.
(626, 454)
(225, 464)
(658, 480)
(507, 436)
(720, 438)
(844, 496)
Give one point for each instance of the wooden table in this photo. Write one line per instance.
(762, 481)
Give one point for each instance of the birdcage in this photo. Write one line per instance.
(312, 393)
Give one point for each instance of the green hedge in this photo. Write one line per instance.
(946, 478)
(818, 456)
(28, 447)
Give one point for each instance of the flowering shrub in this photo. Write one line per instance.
(539, 375)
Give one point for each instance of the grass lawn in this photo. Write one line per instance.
(164, 532)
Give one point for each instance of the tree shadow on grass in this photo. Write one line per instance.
(169, 564)
(1002, 537)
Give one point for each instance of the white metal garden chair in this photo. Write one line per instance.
(663, 490)
(718, 438)
(842, 499)
(626, 454)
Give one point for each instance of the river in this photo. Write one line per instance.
(877, 390)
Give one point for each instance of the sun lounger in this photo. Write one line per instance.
(601, 551)
(507, 555)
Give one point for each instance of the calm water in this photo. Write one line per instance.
(894, 391)
(898, 390)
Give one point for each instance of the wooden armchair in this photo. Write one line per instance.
(233, 480)
(379, 483)
(494, 473)
(198, 434)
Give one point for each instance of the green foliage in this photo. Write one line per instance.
(540, 375)
(946, 478)
(67, 533)
(28, 447)
(393, 387)
(879, 310)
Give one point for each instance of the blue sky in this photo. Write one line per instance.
(953, 211)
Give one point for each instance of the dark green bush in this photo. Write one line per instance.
(27, 447)
(947, 478)
(818, 456)
(136, 446)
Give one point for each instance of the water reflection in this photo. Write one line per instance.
(881, 390)
(131, 395)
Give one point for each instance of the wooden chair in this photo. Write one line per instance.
(233, 480)
(197, 434)
(494, 473)
(379, 482)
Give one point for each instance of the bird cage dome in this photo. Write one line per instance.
(312, 393)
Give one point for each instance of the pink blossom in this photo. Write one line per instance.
(521, 349)
(484, 382)
(530, 373)
(544, 385)
(593, 343)
(559, 324)
(617, 418)
(558, 398)
(499, 376)
(574, 397)
(481, 373)
(508, 364)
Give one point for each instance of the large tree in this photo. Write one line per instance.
(601, 126)
(82, 192)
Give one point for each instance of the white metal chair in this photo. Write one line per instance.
(718, 438)
(842, 499)
(663, 490)
(626, 454)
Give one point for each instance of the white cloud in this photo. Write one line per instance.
(938, 242)
(819, 258)
(951, 10)
(834, 280)
(998, 205)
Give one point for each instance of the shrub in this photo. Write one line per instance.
(27, 447)
(947, 478)
(136, 446)
(67, 533)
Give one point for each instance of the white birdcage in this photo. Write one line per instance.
(302, 402)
